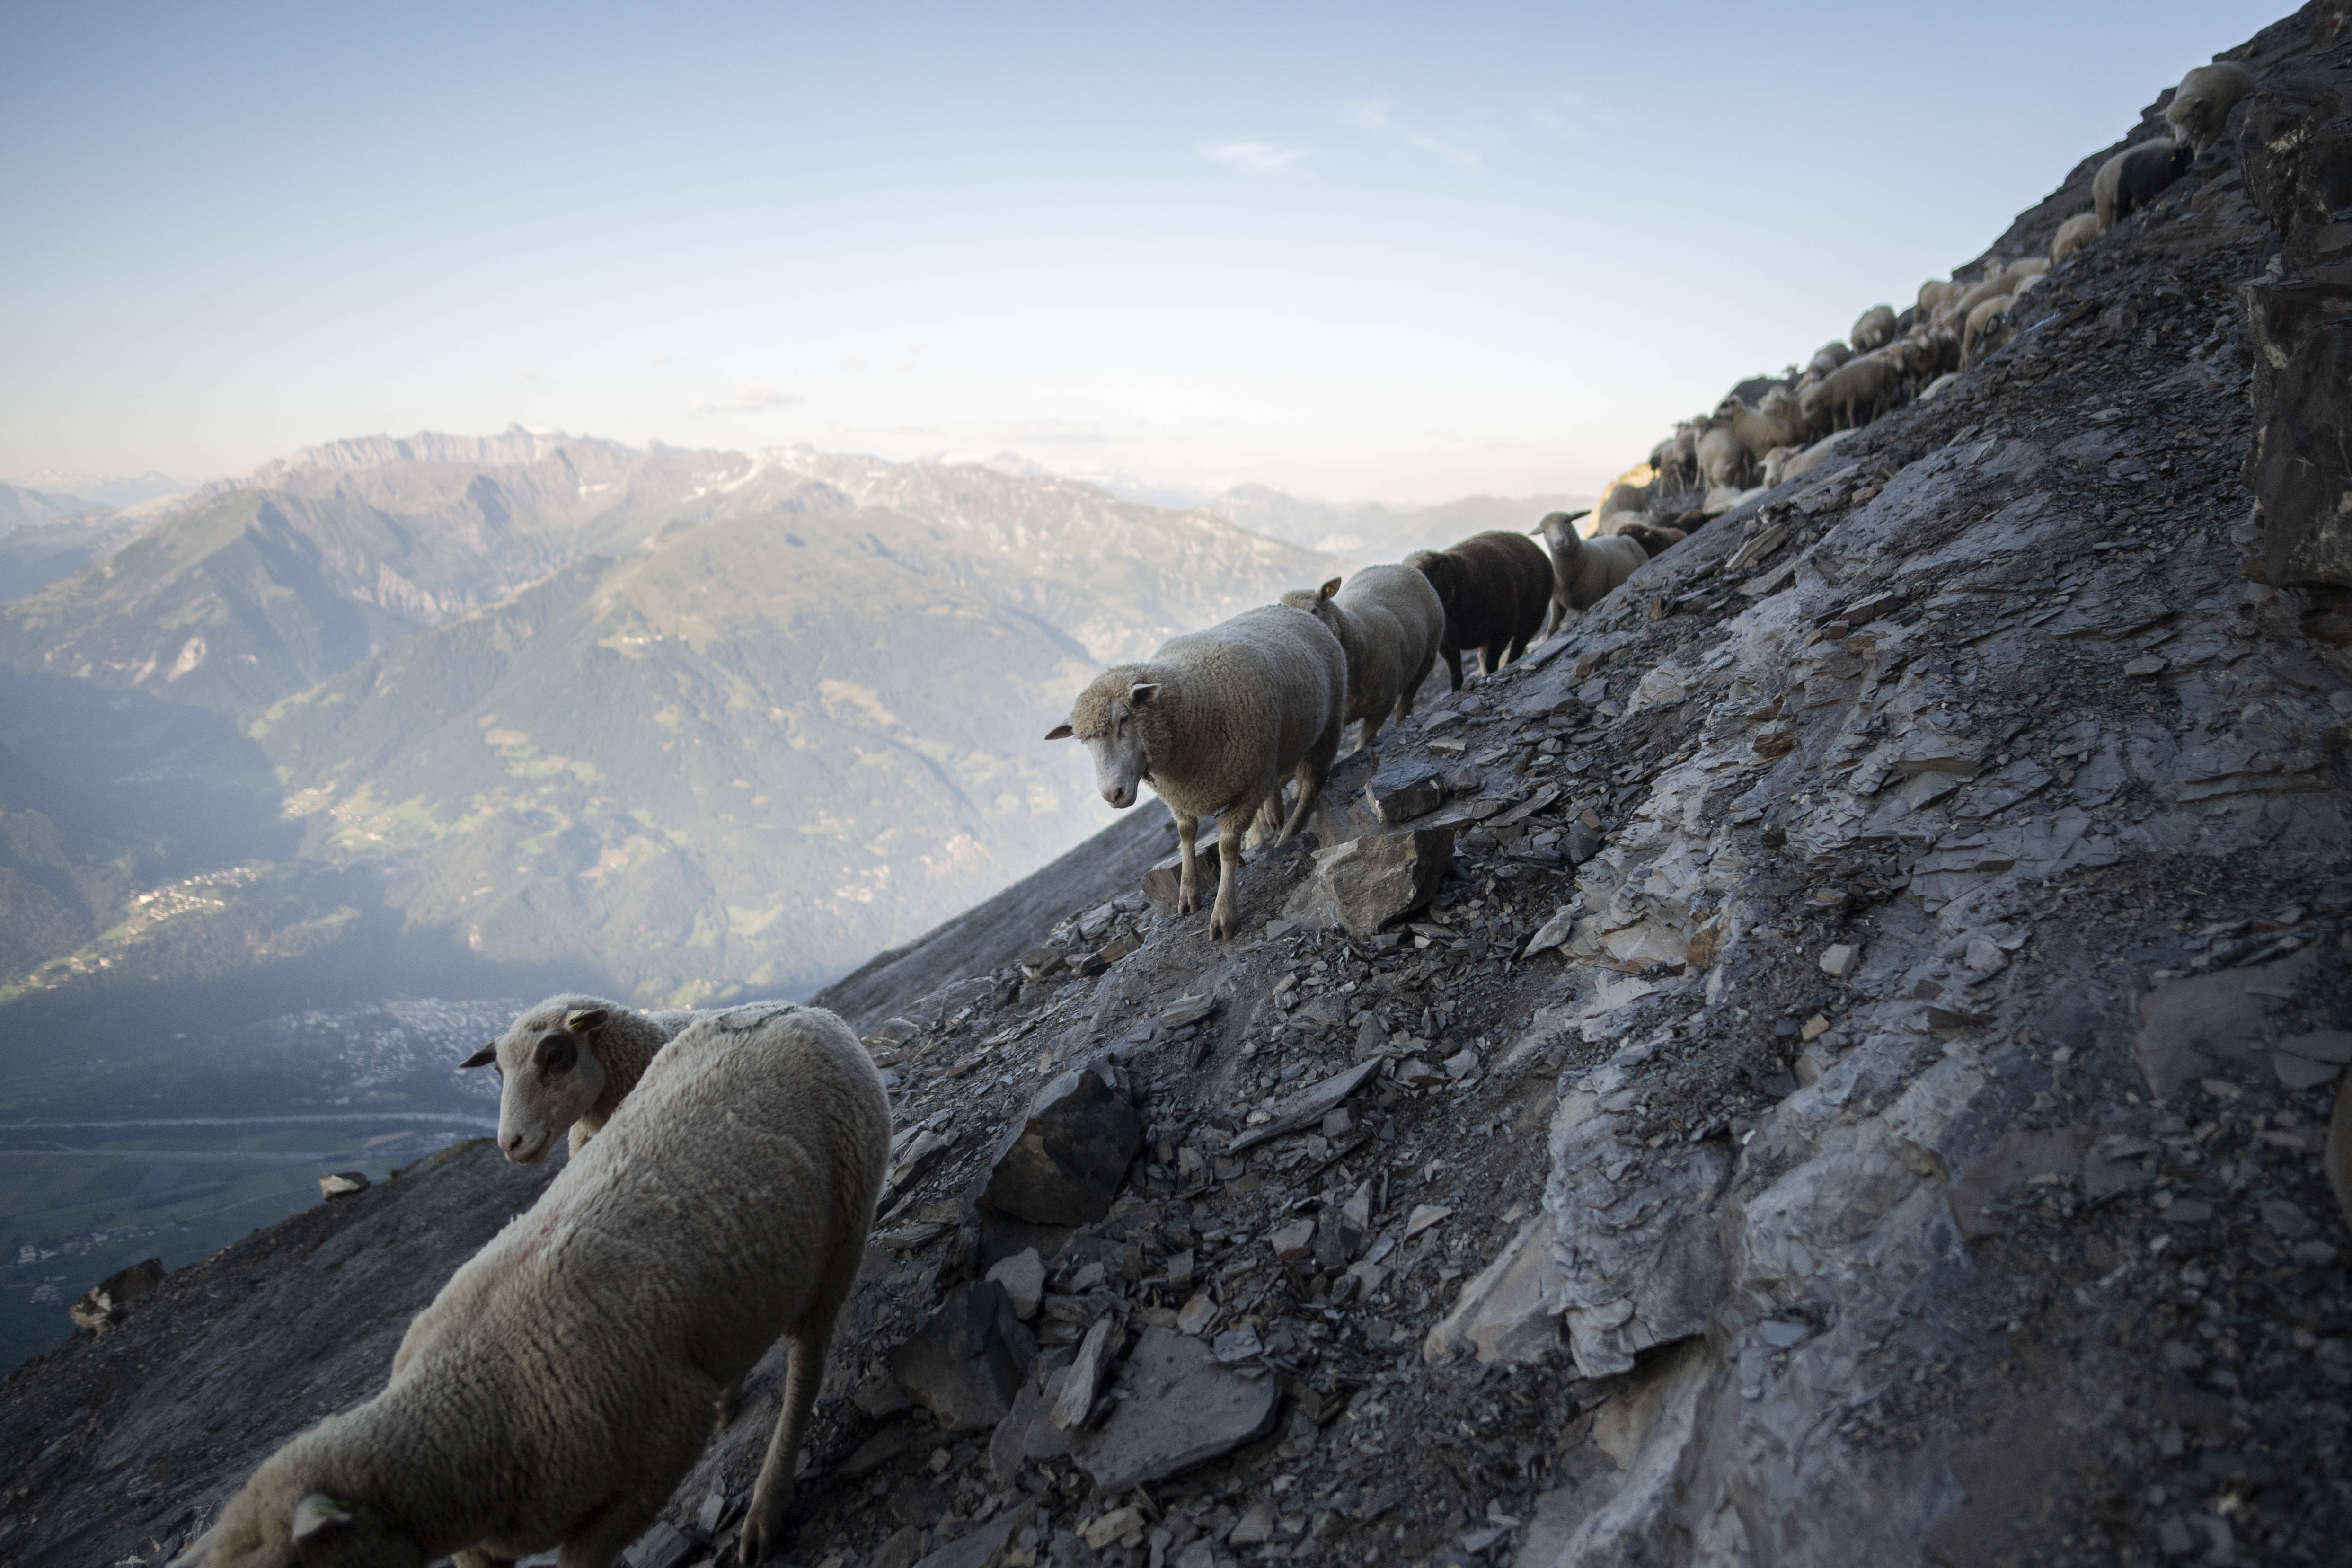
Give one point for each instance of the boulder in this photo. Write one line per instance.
(343, 1185)
(967, 1360)
(1510, 1311)
(1178, 1409)
(2295, 149)
(1362, 886)
(1403, 791)
(1063, 1164)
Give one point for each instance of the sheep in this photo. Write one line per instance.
(1213, 722)
(1496, 588)
(2072, 235)
(1935, 292)
(567, 1064)
(559, 1387)
(1799, 463)
(1656, 541)
(1864, 382)
(1584, 569)
(2133, 177)
(1982, 321)
(2202, 103)
(1675, 459)
(1828, 358)
(1773, 422)
(1625, 498)
(1389, 621)
(1873, 329)
(1997, 285)
(1720, 455)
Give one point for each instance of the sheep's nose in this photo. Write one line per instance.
(1118, 797)
(510, 1142)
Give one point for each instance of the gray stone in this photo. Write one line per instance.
(1063, 1163)
(1027, 1432)
(901, 1550)
(1178, 1409)
(1084, 1378)
(2302, 1072)
(966, 1363)
(1403, 791)
(1509, 1311)
(983, 1545)
(1187, 1010)
(343, 1183)
(2287, 1219)
(1362, 886)
(1023, 1275)
(663, 1546)
(1308, 1109)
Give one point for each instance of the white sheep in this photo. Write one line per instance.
(1936, 291)
(1775, 421)
(1389, 621)
(1720, 455)
(1583, 569)
(2202, 103)
(1875, 328)
(2072, 235)
(1213, 722)
(565, 1064)
(1796, 464)
(1855, 393)
(1983, 322)
(561, 1385)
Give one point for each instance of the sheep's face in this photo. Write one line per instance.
(1121, 764)
(1443, 572)
(549, 1079)
(257, 1531)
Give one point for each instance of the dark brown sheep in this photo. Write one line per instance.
(1495, 588)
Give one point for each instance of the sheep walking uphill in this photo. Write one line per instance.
(560, 1385)
(1389, 621)
(1496, 588)
(565, 1066)
(1584, 569)
(2202, 103)
(1214, 721)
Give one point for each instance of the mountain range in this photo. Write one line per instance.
(483, 711)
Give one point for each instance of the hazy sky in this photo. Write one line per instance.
(1396, 252)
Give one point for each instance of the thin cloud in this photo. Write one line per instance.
(1379, 117)
(1572, 118)
(1255, 157)
(748, 400)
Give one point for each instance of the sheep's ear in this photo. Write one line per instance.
(1141, 695)
(586, 1019)
(315, 1515)
(1331, 587)
(1058, 733)
(482, 1058)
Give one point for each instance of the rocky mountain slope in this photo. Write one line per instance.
(1824, 1062)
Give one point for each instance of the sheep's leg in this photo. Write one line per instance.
(772, 1497)
(1188, 882)
(1412, 688)
(1229, 829)
(1263, 822)
(667, 1438)
(1452, 657)
(1313, 769)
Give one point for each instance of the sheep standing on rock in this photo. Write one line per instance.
(1873, 329)
(1583, 569)
(1775, 421)
(1496, 588)
(1213, 722)
(1853, 393)
(2202, 103)
(565, 1064)
(2136, 177)
(560, 1385)
(1389, 621)
(2072, 235)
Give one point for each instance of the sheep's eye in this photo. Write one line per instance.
(556, 1055)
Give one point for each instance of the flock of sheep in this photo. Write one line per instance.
(725, 1166)
(1796, 421)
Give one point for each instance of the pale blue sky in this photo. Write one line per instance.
(1396, 252)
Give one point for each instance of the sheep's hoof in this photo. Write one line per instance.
(763, 1526)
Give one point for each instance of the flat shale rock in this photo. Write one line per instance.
(1179, 1408)
(1362, 885)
